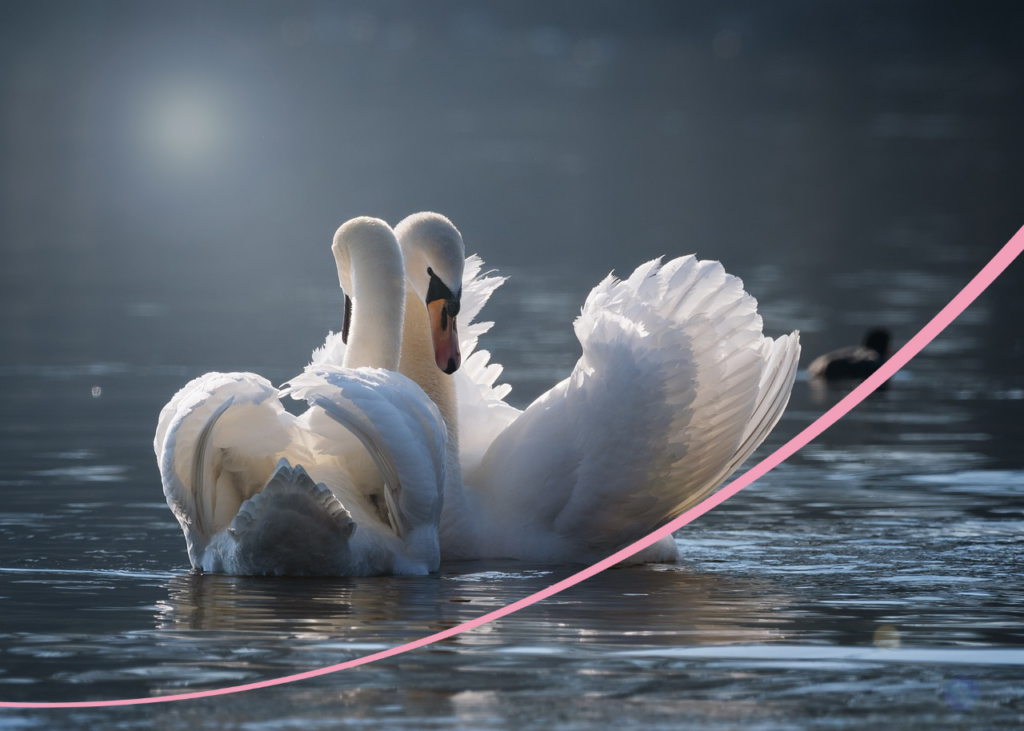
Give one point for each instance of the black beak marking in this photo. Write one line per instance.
(347, 322)
(438, 290)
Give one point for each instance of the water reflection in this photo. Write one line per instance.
(130, 635)
(211, 602)
(905, 516)
(673, 604)
(324, 608)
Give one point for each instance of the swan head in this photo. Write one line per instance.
(434, 259)
(372, 244)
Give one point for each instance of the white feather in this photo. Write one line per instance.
(231, 526)
(676, 387)
(353, 486)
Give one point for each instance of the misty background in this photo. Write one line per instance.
(174, 172)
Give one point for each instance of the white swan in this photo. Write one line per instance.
(676, 387)
(364, 495)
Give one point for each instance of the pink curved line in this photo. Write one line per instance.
(928, 333)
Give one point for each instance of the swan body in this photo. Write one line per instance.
(353, 486)
(676, 387)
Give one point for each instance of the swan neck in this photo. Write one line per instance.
(458, 526)
(417, 363)
(378, 305)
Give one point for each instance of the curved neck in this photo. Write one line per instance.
(458, 526)
(378, 306)
(417, 363)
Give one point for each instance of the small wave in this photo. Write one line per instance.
(93, 473)
(840, 653)
(499, 575)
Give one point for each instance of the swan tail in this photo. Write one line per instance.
(216, 443)
(292, 527)
(676, 386)
(399, 427)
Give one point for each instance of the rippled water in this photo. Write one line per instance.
(875, 576)
(855, 165)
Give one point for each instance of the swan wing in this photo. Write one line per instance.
(400, 428)
(781, 357)
(675, 388)
(483, 413)
(332, 352)
(292, 527)
(217, 443)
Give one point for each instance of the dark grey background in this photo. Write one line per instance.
(160, 151)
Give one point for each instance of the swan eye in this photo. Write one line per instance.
(438, 290)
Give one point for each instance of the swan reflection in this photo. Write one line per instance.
(626, 606)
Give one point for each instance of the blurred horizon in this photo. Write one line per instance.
(155, 153)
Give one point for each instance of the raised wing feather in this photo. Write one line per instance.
(400, 427)
(292, 527)
(217, 443)
(483, 413)
(226, 446)
(332, 352)
(675, 387)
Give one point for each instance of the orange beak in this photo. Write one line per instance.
(445, 337)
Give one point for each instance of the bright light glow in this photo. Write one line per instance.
(184, 127)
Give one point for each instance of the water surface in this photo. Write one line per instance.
(876, 574)
(854, 165)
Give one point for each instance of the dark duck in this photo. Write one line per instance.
(854, 363)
